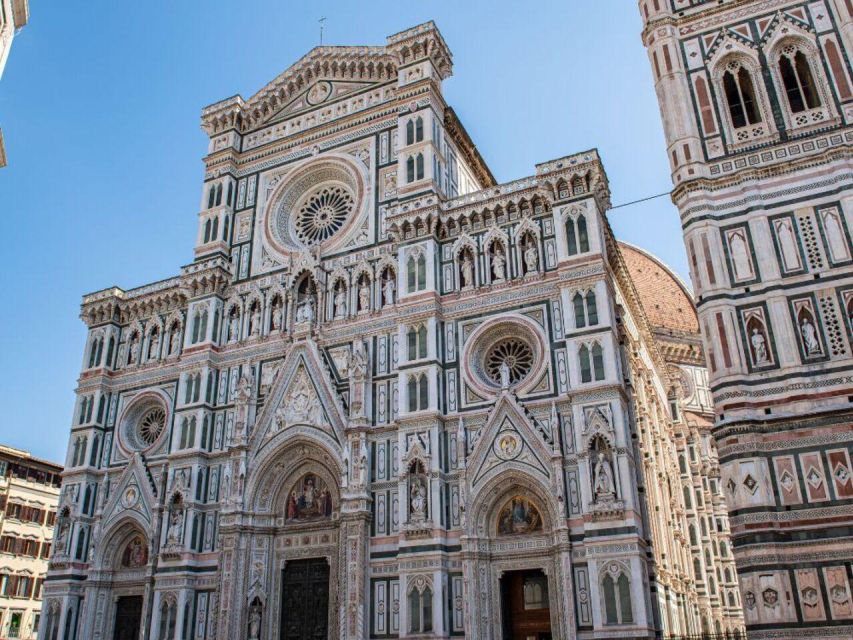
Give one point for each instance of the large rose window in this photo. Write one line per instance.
(143, 423)
(151, 426)
(317, 205)
(510, 343)
(322, 213)
(517, 355)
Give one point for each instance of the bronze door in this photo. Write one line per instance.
(305, 600)
(128, 618)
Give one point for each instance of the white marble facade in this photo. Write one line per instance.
(387, 372)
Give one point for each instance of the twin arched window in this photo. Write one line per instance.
(591, 362)
(617, 599)
(416, 272)
(188, 433)
(740, 95)
(577, 238)
(586, 311)
(415, 168)
(420, 610)
(797, 78)
(95, 352)
(417, 341)
(418, 389)
(415, 130)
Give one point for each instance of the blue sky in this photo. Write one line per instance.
(100, 104)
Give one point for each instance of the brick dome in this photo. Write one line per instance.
(666, 300)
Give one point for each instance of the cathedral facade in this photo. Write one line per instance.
(391, 397)
(757, 107)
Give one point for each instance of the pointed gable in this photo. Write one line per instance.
(302, 398)
(508, 440)
(134, 492)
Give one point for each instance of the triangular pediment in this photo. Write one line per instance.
(132, 492)
(323, 91)
(344, 69)
(508, 440)
(301, 398)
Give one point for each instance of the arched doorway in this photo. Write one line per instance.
(516, 562)
(294, 586)
(122, 577)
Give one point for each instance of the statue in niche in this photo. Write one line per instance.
(498, 264)
(255, 620)
(358, 375)
(154, 345)
(173, 340)
(602, 485)
(244, 389)
(275, 315)
(417, 500)
(345, 465)
(340, 303)
(388, 289)
(531, 257)
(226, 481)
(62, 534)
(467, 270)
(233, 328)
(809, 334)
(255, 320)
(759, 347)
(133, 349)
(176, 526)
(364, 296)
(305, 311)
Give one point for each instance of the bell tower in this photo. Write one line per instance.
(756, 99)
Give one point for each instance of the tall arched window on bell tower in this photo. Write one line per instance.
(740, 96)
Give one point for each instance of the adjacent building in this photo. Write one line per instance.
(391, 397)
(14, 14)
(29, 493)
(757, 105)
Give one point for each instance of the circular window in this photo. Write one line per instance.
(317, 205)
(143, 423)
(322, 213)
(151, 426)
(517, 355)
(511, 344)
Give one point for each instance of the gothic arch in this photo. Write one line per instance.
(489, 498)
(116, 535)
(278, 467)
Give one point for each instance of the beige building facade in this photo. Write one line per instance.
(29, 493)
(14, 15)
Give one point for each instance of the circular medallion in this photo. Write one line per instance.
(320, 92)
(130, 497)
(507, 445)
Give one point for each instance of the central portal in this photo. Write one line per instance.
(305, 600)
(524, 603)
(128, 618)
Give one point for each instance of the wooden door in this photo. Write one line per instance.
(128, 618)
(305, 600)
(526, 613)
